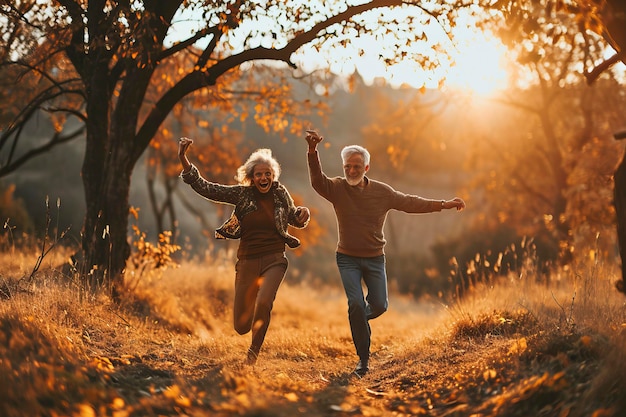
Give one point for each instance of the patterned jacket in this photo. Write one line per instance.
(242, 197)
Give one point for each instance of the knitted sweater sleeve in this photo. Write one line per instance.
(229, 194)
(413, 203)
(319, 181)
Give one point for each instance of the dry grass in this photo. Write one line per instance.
(517, 348)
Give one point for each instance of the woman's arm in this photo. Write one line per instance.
(218, 193)
(183, 146)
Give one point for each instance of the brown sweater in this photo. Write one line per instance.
(259, 235)
(361, 211)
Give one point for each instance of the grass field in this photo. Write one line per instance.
(514, 348)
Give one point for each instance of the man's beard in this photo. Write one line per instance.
(354, 181)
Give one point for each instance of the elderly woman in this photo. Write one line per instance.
(263, 210)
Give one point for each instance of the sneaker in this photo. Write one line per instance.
(361, 369)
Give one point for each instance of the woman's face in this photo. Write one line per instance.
(262, 177)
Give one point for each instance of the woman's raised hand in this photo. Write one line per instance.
(183, 146)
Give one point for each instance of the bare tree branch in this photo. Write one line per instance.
(56, 139)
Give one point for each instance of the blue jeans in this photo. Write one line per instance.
(371, 271)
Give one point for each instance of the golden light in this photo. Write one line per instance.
(475, 65)
(478, 64)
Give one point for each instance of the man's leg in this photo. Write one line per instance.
(375, 277)
(350, 271)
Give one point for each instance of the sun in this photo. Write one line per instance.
(478, 64)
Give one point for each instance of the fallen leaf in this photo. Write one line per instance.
(375, 393)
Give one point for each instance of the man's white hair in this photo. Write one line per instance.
(349, 150)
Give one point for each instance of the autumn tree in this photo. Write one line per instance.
(546, 169)
(96, 61)
(609, 20)
(407, 129)
(593, 19)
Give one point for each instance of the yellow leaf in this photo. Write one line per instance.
(118, 403)
(518, 346)
(172, 392)
(489, 374)
(86, 410)
(183, 401)
(585, 341)
(103, 363)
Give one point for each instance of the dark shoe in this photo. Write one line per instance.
(251, 358)
(361, 369)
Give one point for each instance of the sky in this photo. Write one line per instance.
(477, 59)
(477, 65)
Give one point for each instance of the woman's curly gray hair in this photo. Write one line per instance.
(260, 156)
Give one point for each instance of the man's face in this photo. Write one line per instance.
(262, 177)
(354, 169)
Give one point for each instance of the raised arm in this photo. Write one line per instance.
(183, 146)
(313, 138)
(319, 181)
(210, 190)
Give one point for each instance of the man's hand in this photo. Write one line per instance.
(456, 203)
(313, 138)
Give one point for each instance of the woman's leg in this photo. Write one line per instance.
(272, 273)
(247, 284)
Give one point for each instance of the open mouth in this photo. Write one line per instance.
(264, 185)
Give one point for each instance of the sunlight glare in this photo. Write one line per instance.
(478, 66)
(477, 57)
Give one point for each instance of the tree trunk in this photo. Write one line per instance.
(106, 173)
(616, 27)
(105, 241)
(619, 195)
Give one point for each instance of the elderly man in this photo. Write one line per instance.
(361, 205)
